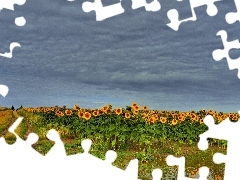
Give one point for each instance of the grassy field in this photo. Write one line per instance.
(154, 156)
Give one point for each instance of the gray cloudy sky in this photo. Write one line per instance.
(68, 57)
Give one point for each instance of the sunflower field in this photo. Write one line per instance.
(120, 128)
(134, 132)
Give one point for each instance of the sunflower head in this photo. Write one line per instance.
(163, 120)
(145, 108)
(134, 104)
(87, 115)
(174, 122)
(80, 114)
(76, 107)
(105, 109)
(127, 115)
(95, 113)
(68, 112)
(118, 111)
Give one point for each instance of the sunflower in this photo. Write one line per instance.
(95, 113)
(134, 104)
(87, 115)
(45, 110)
(203, 111)
(155, 116)
(201, 121)
(144, 115)
(59, 113)
(127, 115)
(163, 120)
(105, 109)
(118, 111)
(145, 108)
(135, 112)
(152, 119)
(76, 107)
(210, 112)
(174, 122)
(234, 117)
(68, 112)
(80, 114)
(193, 116)
(136, 108)
(181, 118)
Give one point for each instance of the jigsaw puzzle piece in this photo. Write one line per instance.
(157, 174)
(180, 162)
(11, 47)
(58, 149)
(17, 153)
(9, 4)
(153, 6)
(23, 146)
(232, 17)
(226, 130)
(101, 167)
(102, 12)
(3, 90)
(219, 54)
(173, 14)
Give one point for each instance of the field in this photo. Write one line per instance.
(133, 132)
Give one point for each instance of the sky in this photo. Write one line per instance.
(67, 57)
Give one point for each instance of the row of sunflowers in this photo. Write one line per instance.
(133, 111)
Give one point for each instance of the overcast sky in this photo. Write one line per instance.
(68, 57)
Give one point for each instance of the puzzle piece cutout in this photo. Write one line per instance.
(3, 90)
(9, 4)
(10, 157)
(219, 54)
(57, 165)
(103, 12)
(19, 21)
(153, 6)
(89, 167)
(173, 14)
(229, 131)
(180, 162)
(233, 17)
(10, 54)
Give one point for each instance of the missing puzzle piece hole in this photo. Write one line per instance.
(20, 21)
(212, 10)
(157, 174)
(218, 54)
(110, 156)
(219, 158)
(87, 7)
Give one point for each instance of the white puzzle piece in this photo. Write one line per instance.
(19, 21)
(10, 54)
(3, 90)
(173, 14)
(102, 12)
(219, 54)
(229, 131)
(233, 17)
(153, 6)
